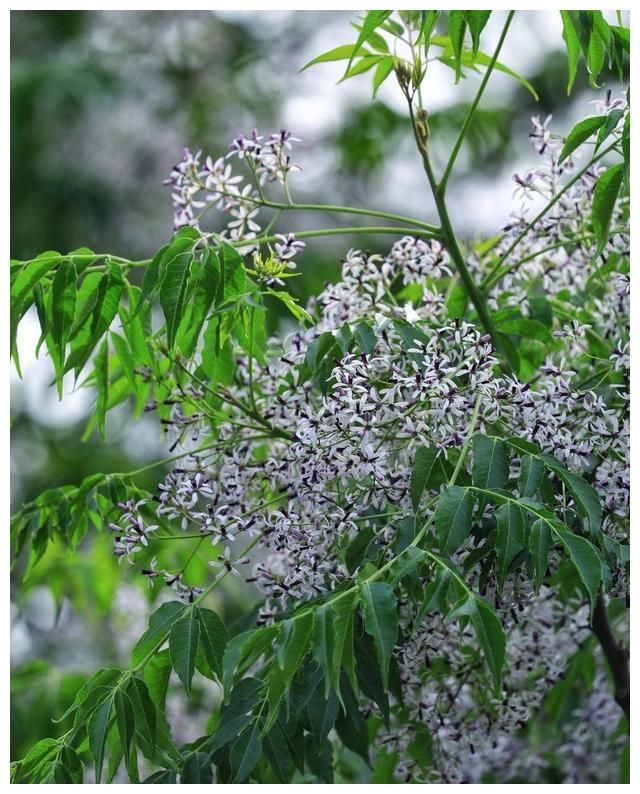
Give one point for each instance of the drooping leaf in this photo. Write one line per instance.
(183, 646)
(585, 559)
(491, 637)
(102, 386)
(585, 495)
(531, 470)
(476, 22)
(453, 518)
(457, 29)
(380, 621)
(98, 729)
(423, 463)
(604, 199)
(197, 769)
(539, 545)
(573, 47)
(173, 291)
(510, 537)
(213, 638)
(245, 753)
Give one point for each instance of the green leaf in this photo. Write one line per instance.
(160, 624)
(235, 716)
(294, 640)
(324, 643)
(322, 710)
(243, 650)
(580, 133)
(213, 638)
(383, 70)
(380, 621)
(173, 290)
(585, 495)
(343, 614)
(604, 199)
(531, 470)
(197, 769)
(423, 464)
(233, 278)
(246, 753)
(490, 462)
(342, 53)
(573, 47)
(457, 29)
(156, 675)
(453, 518)
(98, 729)
(372, 20)
(125, 719)
(540, 545)
(145, 711)
(183, 646)
(509, 538)
(102, 386)
(476, 22)
(585, 559)
(491, 637)
(63, 301)
(291, 303)
(529, 329)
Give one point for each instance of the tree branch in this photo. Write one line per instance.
(616, 655)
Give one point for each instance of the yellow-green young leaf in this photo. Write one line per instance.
(580, 133)
(423, 464)
(102, 386)
(341, 53)
(380, 621)
(457, 29)
(584, 557)
(362, 65)
(183, 646)
(604, 200)
(246, 753)
(213, 638)
(509, 538)
(429, 21)
(539, 546)
(596, 55)
(98, 729)
(476, 22)
(490, 636)
(372, 20)
(573, 47)
(29, 274)
(383, 70)
(453, 518)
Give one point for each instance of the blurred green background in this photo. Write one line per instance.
(101, 105)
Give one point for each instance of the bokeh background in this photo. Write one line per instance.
(101, 105)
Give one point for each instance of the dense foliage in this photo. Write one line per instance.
(426, 477)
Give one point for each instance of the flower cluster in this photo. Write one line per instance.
(343, 407)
